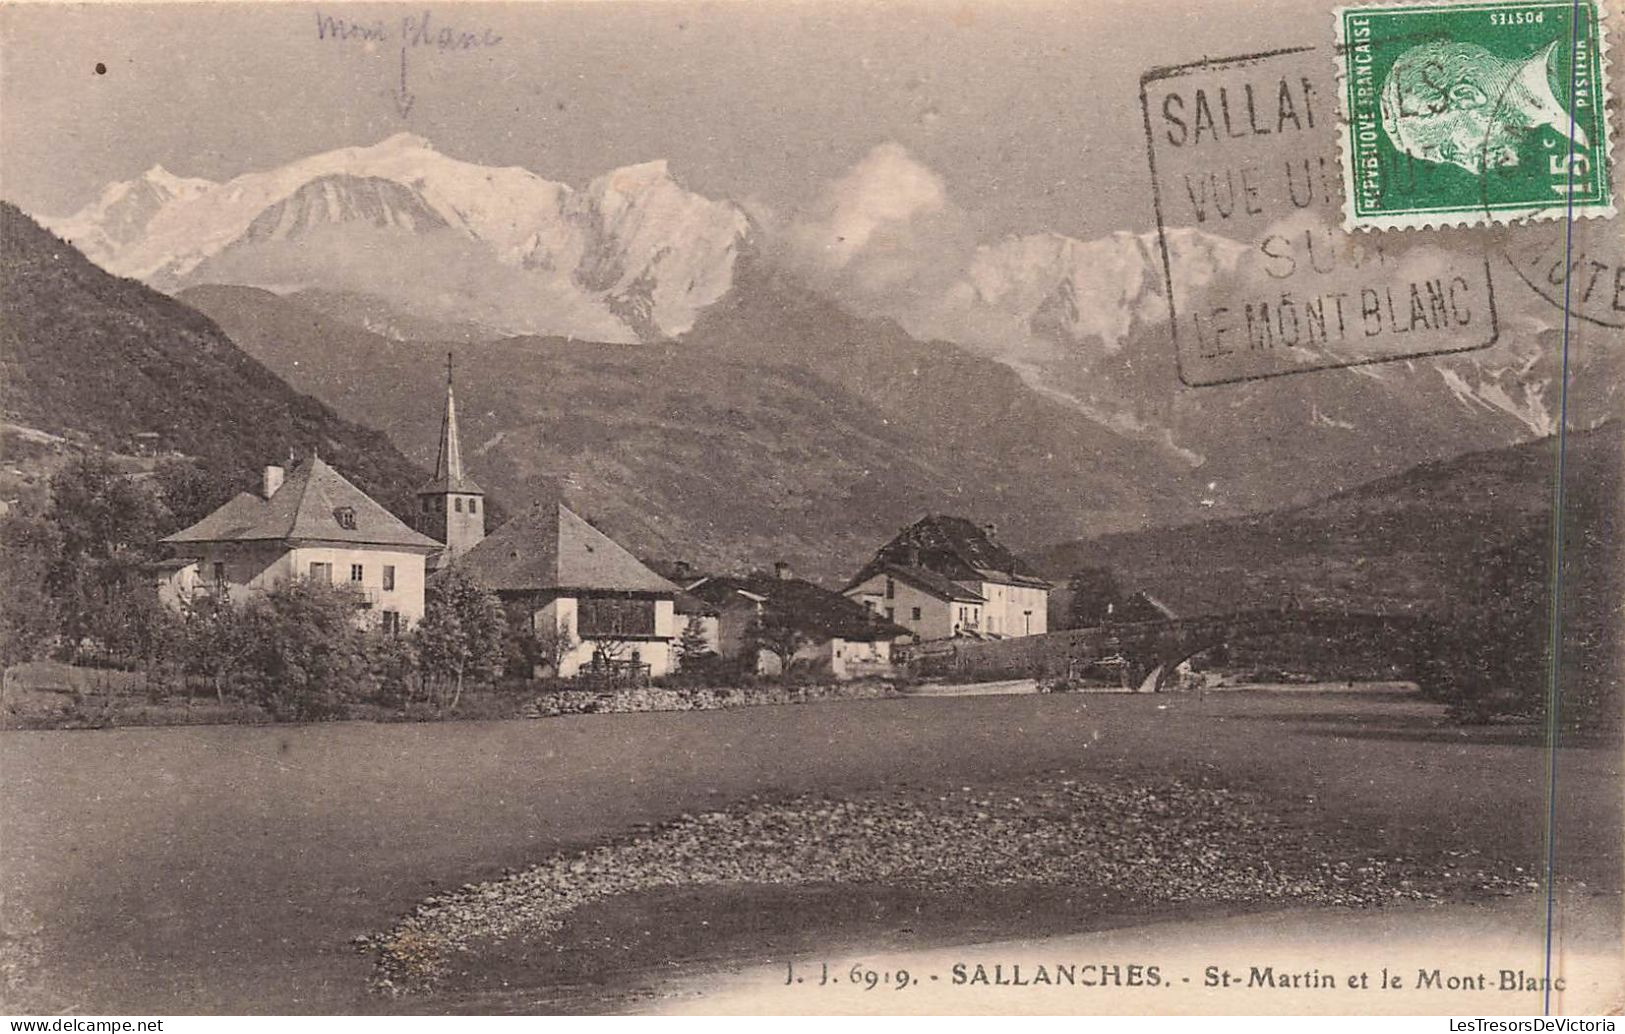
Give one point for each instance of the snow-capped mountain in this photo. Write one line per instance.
(120, 215)
(1095, 313)
(1071, 290)
(413, 244)
(634, 255)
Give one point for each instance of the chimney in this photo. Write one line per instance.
(273, 480)
(781, 571)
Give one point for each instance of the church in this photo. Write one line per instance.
(313, 523)
(553, 570)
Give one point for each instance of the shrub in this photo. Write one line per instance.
(306, 656)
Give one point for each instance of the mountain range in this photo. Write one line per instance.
(728, 456)
(633, 255)
(1028, 381)
(1414, 542)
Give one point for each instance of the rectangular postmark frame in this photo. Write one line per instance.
(1243, 165)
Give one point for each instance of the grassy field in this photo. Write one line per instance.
(227, 868)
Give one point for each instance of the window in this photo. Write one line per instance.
(356, 573)
(473, 506)
(392, 622)
(916, 614)
(389, 577)
(219, 572)
(891, 589)
(426, 503)
(891, 613)
(345, 517)
(320, 572)
(457, 504)
(614, 617)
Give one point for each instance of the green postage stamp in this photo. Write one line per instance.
(1473, 113)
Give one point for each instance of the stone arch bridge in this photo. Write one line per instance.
(1147, 652)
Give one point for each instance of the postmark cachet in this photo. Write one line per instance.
(1473, 113)
(1262, 278)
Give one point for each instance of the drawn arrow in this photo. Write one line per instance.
(403, 96)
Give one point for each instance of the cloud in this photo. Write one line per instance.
(884, 238)
(882, 194)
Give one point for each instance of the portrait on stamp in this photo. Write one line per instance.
(1484, 112)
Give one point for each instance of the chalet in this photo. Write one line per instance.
(308, 523)
(944, 576)
(563, 577)
(831, 633)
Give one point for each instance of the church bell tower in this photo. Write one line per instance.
(451, 508)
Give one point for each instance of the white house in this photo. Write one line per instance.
(928, 604)
(310, 523)
(570, 579)
(1012, 600)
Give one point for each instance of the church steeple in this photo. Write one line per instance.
(451, 506)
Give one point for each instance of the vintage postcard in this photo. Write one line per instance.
(1016, 507)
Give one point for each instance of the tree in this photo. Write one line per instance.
(538, 646)
(107, 527)
(1096, 594)
(772, 630)
(215, 641)
(461, 637)
(306, 654)
(615, 625)
(190, 492)
(28, 613)
(393, 660)
(692, 646)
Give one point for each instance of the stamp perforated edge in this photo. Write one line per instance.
(1469, 216)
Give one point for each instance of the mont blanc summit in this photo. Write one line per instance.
(632, 255)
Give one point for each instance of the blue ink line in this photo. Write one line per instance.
(1554, 701)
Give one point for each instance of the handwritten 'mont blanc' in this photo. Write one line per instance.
(414, 31)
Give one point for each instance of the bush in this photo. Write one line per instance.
(306, 656)
(1493, 658)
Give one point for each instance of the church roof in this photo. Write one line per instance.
(315, 503)
(550, 547)
(449, 475)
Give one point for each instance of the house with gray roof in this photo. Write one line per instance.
(944, 576)
(566, 578)
(310, 523)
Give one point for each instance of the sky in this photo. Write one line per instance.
(1027, 113)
